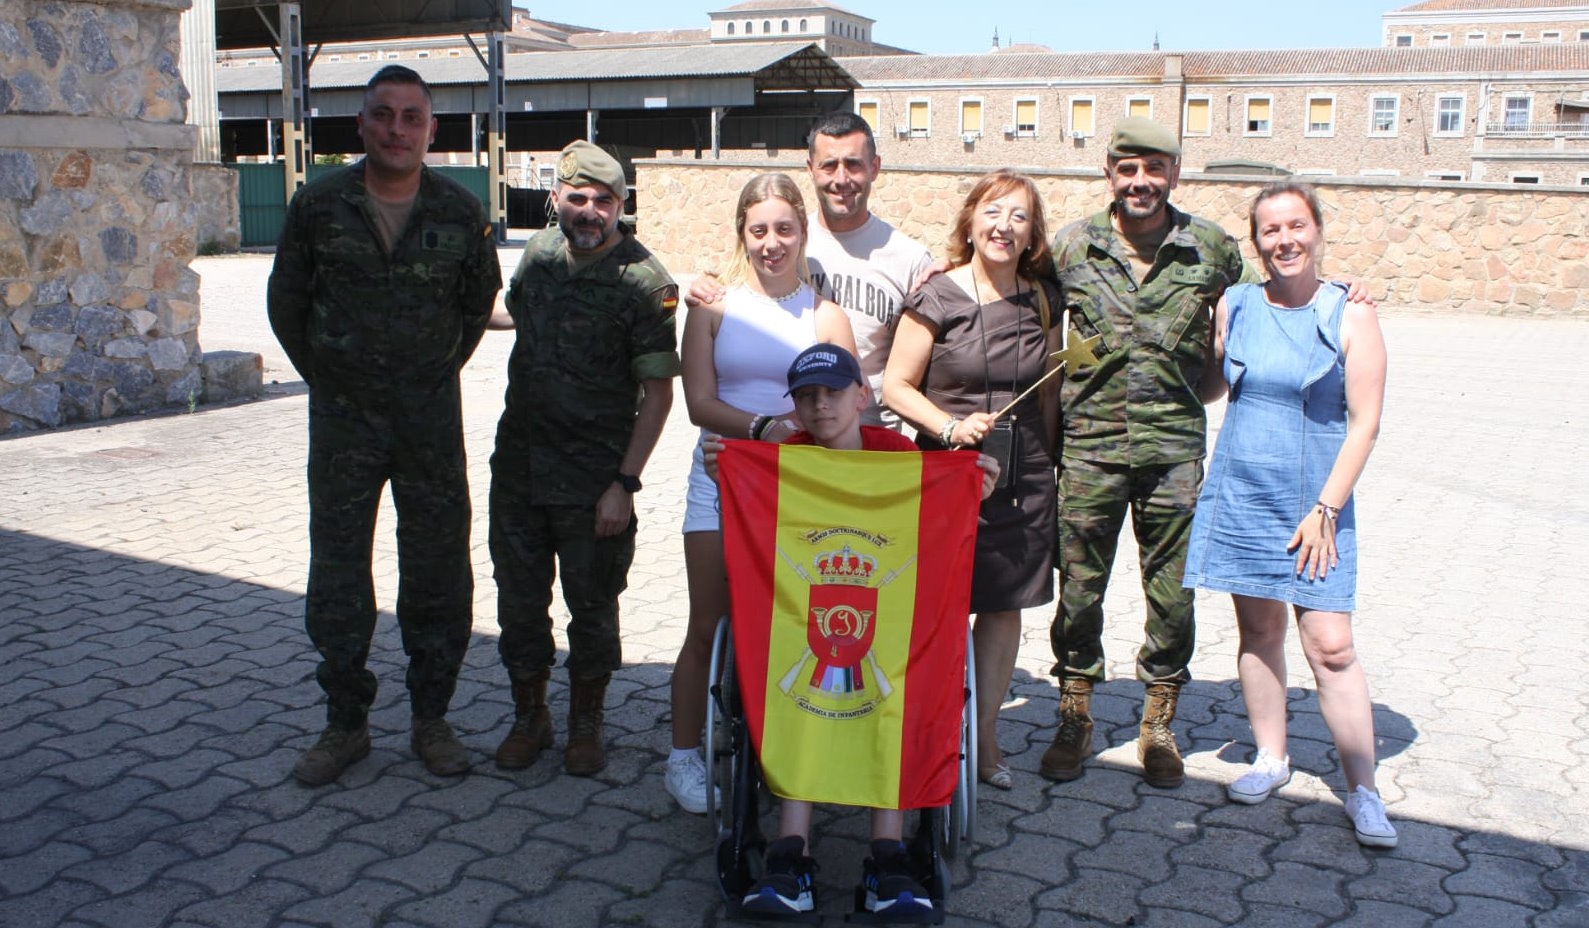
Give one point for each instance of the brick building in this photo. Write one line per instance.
(1497, 113)
(1453, 23)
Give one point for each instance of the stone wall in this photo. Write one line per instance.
(1419, 246)
(99, 310)
(220, 221)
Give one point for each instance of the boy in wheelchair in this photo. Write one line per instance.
(829, 396)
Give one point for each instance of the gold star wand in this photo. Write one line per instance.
(1076, 355)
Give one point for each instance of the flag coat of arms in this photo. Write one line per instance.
(850, 580)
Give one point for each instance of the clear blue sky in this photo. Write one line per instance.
(1063, 25)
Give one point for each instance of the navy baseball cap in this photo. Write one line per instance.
(828, 365)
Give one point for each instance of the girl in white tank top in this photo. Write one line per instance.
(736, 352)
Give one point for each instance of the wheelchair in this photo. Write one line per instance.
(735, 772)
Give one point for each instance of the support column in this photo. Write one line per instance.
(591, 117)
(293, 142)
(497, 138)
(717, 131)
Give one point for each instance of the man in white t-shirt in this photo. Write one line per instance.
(857, 260)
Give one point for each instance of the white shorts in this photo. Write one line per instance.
(701, 512)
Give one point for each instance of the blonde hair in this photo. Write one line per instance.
(759, 189)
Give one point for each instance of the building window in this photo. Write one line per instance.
(867, 110)
(336, 57)
(422, 54)
(1475, 38)
(785, 26)
(1583, 35)
(1583, 180)
(1140, 106)
(803, 26)
(254, 64)
(1081, 121)
(364, 56)
(1448, 115)
(1444, 175)
(730, 28)
(1197, 116)
(1511, 38)
(1382, 115)
(750, 27)
(1440, 39)
(970, 119)
(766, 27)
(1026, 118)
(1258, 115)
(1404, 41)
(1321, 116)
(1517, 113)
(920, 119)
(453, 53)
(1552, 36)
(1525, 178)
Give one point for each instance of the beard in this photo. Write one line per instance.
(585, 235)
(1125, 205)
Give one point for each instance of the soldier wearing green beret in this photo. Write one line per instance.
(1143, 277)
(384, 278)
(590, 383)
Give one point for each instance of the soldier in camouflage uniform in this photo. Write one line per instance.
(590, 383)
(1143, 276)
(384, 278)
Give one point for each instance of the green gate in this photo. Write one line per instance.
(262, 201)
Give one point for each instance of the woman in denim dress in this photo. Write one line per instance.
(1275, 525)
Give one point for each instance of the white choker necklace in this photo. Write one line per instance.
(787, 296)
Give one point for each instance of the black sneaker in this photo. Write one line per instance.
(786, 885)
(890, 886)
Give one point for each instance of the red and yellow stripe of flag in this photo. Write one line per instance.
(827, 551)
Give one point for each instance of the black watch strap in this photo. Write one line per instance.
(629, 482)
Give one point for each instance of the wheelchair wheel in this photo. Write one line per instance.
(717, 744)
(959, 820)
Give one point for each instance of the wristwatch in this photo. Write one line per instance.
(629, 482)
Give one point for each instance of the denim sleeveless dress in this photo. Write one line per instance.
(1283, 428)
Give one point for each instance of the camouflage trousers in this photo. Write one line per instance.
(355, 449)
(1093, 499)
(528, 545)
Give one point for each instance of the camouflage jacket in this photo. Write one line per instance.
(1139, 405)
(587, 337)
(354, 319)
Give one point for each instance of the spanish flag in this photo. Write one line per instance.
(850, 579)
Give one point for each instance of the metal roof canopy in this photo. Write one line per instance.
(689, 76)
(251, 23)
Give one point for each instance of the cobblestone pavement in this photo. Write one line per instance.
(156, 685)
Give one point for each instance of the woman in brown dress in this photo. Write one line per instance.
(969, 342)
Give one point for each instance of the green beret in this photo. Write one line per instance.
(582, 164)
(1139, 135)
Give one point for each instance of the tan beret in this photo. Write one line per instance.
(1139, 135)
(582, 164)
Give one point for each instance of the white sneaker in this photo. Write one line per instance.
(1367, 812)
(686, 782)
(1264, 777)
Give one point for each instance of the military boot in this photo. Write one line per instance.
(327, 758)
(585, 756)
(1161, 760)
(1073, 742)
(532, 724)
(438, 747)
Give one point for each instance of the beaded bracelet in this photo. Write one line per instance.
(757, 423)
(946, 434)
